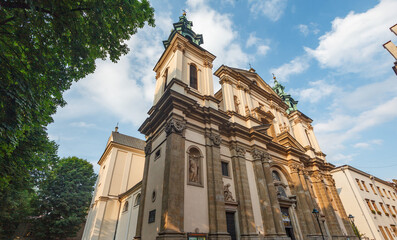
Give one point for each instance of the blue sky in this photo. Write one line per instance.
(328, 55)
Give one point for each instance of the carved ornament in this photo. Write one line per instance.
(215, 139)
(240, 151)
(227, 193)
(317, 176)
(148, 148)
(174, 126)
(295, 167)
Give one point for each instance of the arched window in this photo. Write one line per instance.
(137, 200)
(125, 207)
(276, 176)
(193, 76)
(165, 78)
(194, 167)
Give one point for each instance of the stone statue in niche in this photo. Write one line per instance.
(194, 169)
(227, 194)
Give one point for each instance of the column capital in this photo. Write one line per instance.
(174, 126)
(317, 176)
(263, 156)
(148, 148)
(216, 139)
(239, 151)
(295, 167)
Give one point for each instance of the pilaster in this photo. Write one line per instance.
(172, 212)
(216, 201)
(243, 195)
(148, 152)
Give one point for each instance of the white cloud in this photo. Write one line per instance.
(295, 66)
(341, 128)
(272, 9)
(261, 47)
(355, 42)
(115, 88)
(341, 158)
(308, 29)
(366, 145)
(219, 36)
(82, 124)
(304, 29)
(317, 90)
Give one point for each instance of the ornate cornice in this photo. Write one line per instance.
(175, 126)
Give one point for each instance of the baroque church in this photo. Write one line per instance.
(241, 163)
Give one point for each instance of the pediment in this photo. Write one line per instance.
(262, 128)
(287, 140)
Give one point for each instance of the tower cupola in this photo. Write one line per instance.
(184, 27)
(279, 89)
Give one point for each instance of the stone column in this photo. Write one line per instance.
(302, 209)
(148, 151)
(273, 195)
(172, 212)
(339, 205)
(310, 199)
(243, 195)
(325, 204)
(263, 194)
(216, 201)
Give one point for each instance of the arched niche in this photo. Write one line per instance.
(194, 166)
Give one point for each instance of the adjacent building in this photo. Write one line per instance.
(371, 200)
(241, 163)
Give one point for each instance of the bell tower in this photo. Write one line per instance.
(182, 188)
(184, 60)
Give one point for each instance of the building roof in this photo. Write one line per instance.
(340, 168)
(127, 140)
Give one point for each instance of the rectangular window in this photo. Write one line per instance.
(370, 206)
(394, 208)
(388, 232)
(359, 184)
(225, 169)
(383, 232)
(393, 227)
(152, 216)
(373, 189)
(376, 208)
(365, 186)
(383, 208)
(391, 196)
(157, 154)
(385, 193)
(380, 192)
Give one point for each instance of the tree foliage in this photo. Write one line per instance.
(20, 175)
(46, 45)
(64, 198)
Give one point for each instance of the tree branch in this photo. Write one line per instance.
(6, 20)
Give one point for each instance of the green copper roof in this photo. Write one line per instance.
(279, 89)
(184, 27)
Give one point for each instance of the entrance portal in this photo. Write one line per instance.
(287, 223)
(231, 225)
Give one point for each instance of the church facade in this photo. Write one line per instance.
(241, 163)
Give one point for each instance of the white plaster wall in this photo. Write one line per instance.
(254, 197)
(196, 197)
(133, 218)
(109, 220)
(155, 182)
(117, 175)
(136, 170)
(124, 217)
